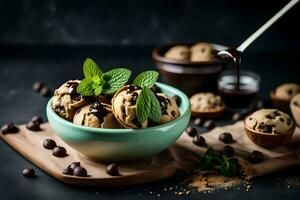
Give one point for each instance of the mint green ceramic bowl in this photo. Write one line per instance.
(122, 144)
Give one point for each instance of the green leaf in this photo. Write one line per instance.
(91, 69)
(96, 79)
(143, 106)
(85, 87)
(155, 109)
(229, 167)
(146, 79)
(98, 90)
(115, 79)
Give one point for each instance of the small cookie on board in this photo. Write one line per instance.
(295, 108)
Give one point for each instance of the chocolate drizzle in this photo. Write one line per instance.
(98, 110)
(73, 91)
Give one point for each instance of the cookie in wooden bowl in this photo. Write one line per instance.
(269, 127)
(207, 105)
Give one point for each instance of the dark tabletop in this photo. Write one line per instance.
(21, 66)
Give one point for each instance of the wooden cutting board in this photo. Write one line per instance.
(181, 156)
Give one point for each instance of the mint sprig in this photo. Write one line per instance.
(96, 82)
(147, 103)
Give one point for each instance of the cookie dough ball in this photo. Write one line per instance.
(270, 121)
(169, 108)
(295, 108)
(66, 100)
(96, 115)
(179, 52)
(202, 52)
(206, 102)
(124, 107)
(287, 91)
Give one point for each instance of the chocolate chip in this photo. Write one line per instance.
(80, 171)
(33, 126)
(266, 128)
(59, 151)
(269, 117)
(37, 119)
(199, 140)
(49, 144)
(228, 151)
(177, 100)
(296, 103)
(256, 157)
(9, 128)
(68, 171)
(45, 92)
(73, 165)
(173, 113)
(198, 122)
(237, 117)
(281, 119)
(226, 138)
(28, 172)
(191, 131)
(37, 86)
(112, 169)
(289, 92)
(156, 89)
(209, 124)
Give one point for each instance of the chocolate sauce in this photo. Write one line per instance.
(98, 110)
(73, 90)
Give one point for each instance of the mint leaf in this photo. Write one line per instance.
(85, 87)
(143, 106)
(98, 90)
(229, 167)
(115, 79)
(96, 79)
(90, 69)
(155, 109)
(146, 79)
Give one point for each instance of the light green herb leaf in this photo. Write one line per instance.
(90, 68)
(98, 90)
(85, 87)
(155, 109)
(115, 79)
(95, 85)
(143, 106)
(146, 79)
(96, 79)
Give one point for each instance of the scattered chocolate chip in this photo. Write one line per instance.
(28, 172)
(49, 144)
(45, 92)
(199, 140)
(156, 89)
(191, 131)
(59, 151)
(226, 138)
(80, 171)
(68, 171)
(256, 157)
(33, 126)
(37, 86)
(228, 151)
(237, 117)
(9, 128)
(37, 119)
(73, 165)
(112, 169)
(209, 124)
(198, 122)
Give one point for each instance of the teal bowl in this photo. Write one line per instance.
(122, 144)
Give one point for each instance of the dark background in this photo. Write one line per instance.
(48, 40)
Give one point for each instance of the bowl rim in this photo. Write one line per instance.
(186, 110)
(157, 57)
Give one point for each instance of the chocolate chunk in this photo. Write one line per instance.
(28, 172)
(296, 103)
(228, 151)
(73, 165)
(177, 100)
(37, 119)
(266, 128)
(33, 126)
(226, 138)
(269, 117)
(49, 144)
(59, 151)
(37, 86)
(237, 117)
(256, 157)
(45, 92)
(173, 113)
(134, 98)
(289, 92)
(73, 91)
(80, 171)
(209, 124)
(281, 119)
(68, 171)
(199, 140)
(288, 121)
(9, 128)
(191, 131)
(98, 110)
(156, 89)
(198, 122)
(112, 169)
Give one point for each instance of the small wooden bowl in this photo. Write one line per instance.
(208, 114)
(269, 140)
(280, 103)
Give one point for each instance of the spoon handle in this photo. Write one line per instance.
(256, 34)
